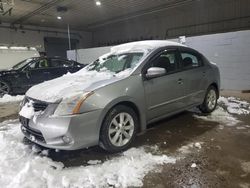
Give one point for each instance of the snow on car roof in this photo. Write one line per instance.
(143, 45)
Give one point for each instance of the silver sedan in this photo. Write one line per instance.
(111, 100)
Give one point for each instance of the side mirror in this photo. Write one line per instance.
(154, 72)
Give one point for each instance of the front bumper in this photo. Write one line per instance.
(63, 132)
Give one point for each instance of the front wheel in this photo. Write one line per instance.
(118, 129)
(210, 102)
(4, 88)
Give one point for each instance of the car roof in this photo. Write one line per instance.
(144, 45)
(56, 57)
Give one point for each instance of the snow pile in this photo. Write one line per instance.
(235, 106)
(193, 165)
(94, 162)
(23, 167)
(219, 115)
(27, 110)
(186, 149)
(9, 98)
(245, 165)
(197, 145)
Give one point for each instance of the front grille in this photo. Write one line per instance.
(37, 105)
(24, 121)
(29, 132)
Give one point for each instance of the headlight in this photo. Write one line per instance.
(72, 105)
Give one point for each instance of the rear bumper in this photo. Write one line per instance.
(63, 132)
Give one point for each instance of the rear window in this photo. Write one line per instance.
(190, 60)
(60, 63)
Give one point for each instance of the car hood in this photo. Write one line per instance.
(6, 71)
(70, 85)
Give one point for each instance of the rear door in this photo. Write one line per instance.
(164, 94)
(59, 67)
(195, 75)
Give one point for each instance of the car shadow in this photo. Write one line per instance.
(168, 134)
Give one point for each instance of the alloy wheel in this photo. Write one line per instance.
(121, 129)
(211, 99)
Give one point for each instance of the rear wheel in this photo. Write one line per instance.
(118, 129)
(210, 102)
(4, 88)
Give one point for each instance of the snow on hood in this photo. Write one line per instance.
(70, 85)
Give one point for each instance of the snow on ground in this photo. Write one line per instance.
(186, 149)
(193, 165)
(9, 98)
(219, 115)
(224, 111)
(21, 166)
(235, 106)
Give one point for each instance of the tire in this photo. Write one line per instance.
(117, 135)
(210, 102)
(4, 88)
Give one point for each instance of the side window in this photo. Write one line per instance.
(40, 64)
(60, 63)
(190, 60)
(32, 65)
(166, 60)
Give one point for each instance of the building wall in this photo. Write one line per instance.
(89, 55)
(230, 51)
(191, 19)
(34, 36)
(9, 58)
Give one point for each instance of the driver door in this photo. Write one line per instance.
(164, 94)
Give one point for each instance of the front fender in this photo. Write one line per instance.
(120, 100)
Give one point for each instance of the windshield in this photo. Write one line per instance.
(116, 63)
(22, 64)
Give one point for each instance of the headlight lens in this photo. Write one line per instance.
(71, 105)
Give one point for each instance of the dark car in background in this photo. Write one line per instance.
(32, 71)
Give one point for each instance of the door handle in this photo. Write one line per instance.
(180, 81)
